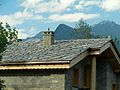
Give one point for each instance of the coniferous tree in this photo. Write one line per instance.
(82, 30)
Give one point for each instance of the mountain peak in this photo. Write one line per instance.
(63, 32)
(62, 25)
(107, 22)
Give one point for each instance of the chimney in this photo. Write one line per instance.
(109, 37)
(48, 38)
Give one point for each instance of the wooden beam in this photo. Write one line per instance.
(94, 52)
(79, 58)
(105, 47)
(117, 70)
(35, 63)
(48, 66)
(115, 54)
(93, 74)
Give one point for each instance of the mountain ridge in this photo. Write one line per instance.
(63, 32)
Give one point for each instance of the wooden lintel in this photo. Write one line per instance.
(51, 66)
(94, 53)
(117, 70)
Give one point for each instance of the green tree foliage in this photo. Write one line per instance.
(116, 41)
(82, 30)
(8, 35)
(2, 86)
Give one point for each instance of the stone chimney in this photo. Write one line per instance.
(48, 38)
(109, 37)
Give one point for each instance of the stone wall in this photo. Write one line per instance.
(69, 73)
(106, 77)
(111, 77)
(68, 77)
(59, 79)
(34, 79)
(101, 75)
(118, 78)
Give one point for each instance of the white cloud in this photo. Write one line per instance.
(30, 3)
(108, 5)
(111, 5)
(22, 34)
(82, 4)
(91, 3)
(18, 17)
(32, 31)
(72, 17)
(79, 7)
(41, 6)
(29, 32)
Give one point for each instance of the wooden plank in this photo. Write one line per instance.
(94, 52)
(51, 66)
(117, 70)
(93, 74)
(115, 54)
(105, 47)
(79, 58)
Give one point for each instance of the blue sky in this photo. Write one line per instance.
(33, 16)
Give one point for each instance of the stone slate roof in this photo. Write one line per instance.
(60, 51)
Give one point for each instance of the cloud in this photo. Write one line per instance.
(41, 6)
(91, 3)
(72, 17)
(29, 32)
(111, 5)
(22, 34)
(108, 5)
(30, 3)
(82, 4)
(18, 18)
(32, 31)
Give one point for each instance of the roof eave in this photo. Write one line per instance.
(35, 63)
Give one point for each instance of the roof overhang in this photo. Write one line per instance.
(98, 51)
(35, 65)
(43, 66)
(109, 45)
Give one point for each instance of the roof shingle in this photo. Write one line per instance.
(61, 50)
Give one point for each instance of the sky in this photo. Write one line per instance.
(32, 16)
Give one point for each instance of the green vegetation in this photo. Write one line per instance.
(82, 30)
(2, 86)
(8, 35)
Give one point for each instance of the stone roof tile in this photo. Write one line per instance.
(61, 50)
